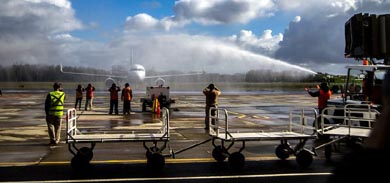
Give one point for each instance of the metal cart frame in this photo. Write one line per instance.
(219, 131)
(82, 156)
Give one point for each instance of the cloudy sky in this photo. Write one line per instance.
(219, 36)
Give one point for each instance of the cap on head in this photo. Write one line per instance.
(127, 84)
(323, 84)
(211, 86)
(57, 85)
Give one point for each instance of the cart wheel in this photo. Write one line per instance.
(156, 161)
(304, 158)
(237, 160)
(218, 154)
(85, 153)
(328, 152)
(282, 151)
(79, 162)
(152, 150)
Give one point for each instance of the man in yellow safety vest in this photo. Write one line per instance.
(54, 106)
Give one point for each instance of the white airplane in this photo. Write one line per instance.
(136, 73)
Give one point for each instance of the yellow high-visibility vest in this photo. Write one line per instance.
(56, 103)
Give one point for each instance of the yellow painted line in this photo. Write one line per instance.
(239, 114)
(251, 123)
(172, 161)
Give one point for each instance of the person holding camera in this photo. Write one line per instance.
(211, 92)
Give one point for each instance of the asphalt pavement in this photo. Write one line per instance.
(26, 157)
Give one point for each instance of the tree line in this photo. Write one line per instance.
(47, 73)
(43, 73)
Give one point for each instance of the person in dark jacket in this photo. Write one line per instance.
(114, 98)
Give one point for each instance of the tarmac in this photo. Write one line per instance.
(23, 126)
(24, 139)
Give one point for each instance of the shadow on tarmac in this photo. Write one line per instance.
(271, 170)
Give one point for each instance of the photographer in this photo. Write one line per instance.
(211, 92)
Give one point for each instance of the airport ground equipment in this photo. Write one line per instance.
(297, 129)
(82, 156)
(356, 124)
(363, 85)
(159, 92)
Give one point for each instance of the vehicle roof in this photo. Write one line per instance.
(368, 67)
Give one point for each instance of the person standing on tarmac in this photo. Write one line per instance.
(323, 93)
(89, 96)
(211, 92)
(54, 106)
(79, 96)
(114, 98)
(127, 95)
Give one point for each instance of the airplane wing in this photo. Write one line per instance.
(91, 74)
(175, 75)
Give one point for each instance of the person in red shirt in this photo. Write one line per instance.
(89, 96)
(323, 95)
(79, 96)
(114, 98)
(127, 95)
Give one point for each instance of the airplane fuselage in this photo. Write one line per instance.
(137, 73)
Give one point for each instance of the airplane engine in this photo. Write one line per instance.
(109, 82)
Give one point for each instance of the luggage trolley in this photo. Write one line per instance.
(296, 130)
(354, 124)
(82, 156)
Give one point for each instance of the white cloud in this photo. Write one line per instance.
(318, 39)
(140, 22)
(37, 31)
(297, 19)
(223, 11)
(265, 44)
(63, 37)
(205, 12)
(26, 26)
(44, 16)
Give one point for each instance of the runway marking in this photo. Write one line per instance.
(186, 178)
(240, 115)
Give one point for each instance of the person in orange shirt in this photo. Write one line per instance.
(114, 98)
(89, 93)
(323, 95)
(127, 95)
(79, 96)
